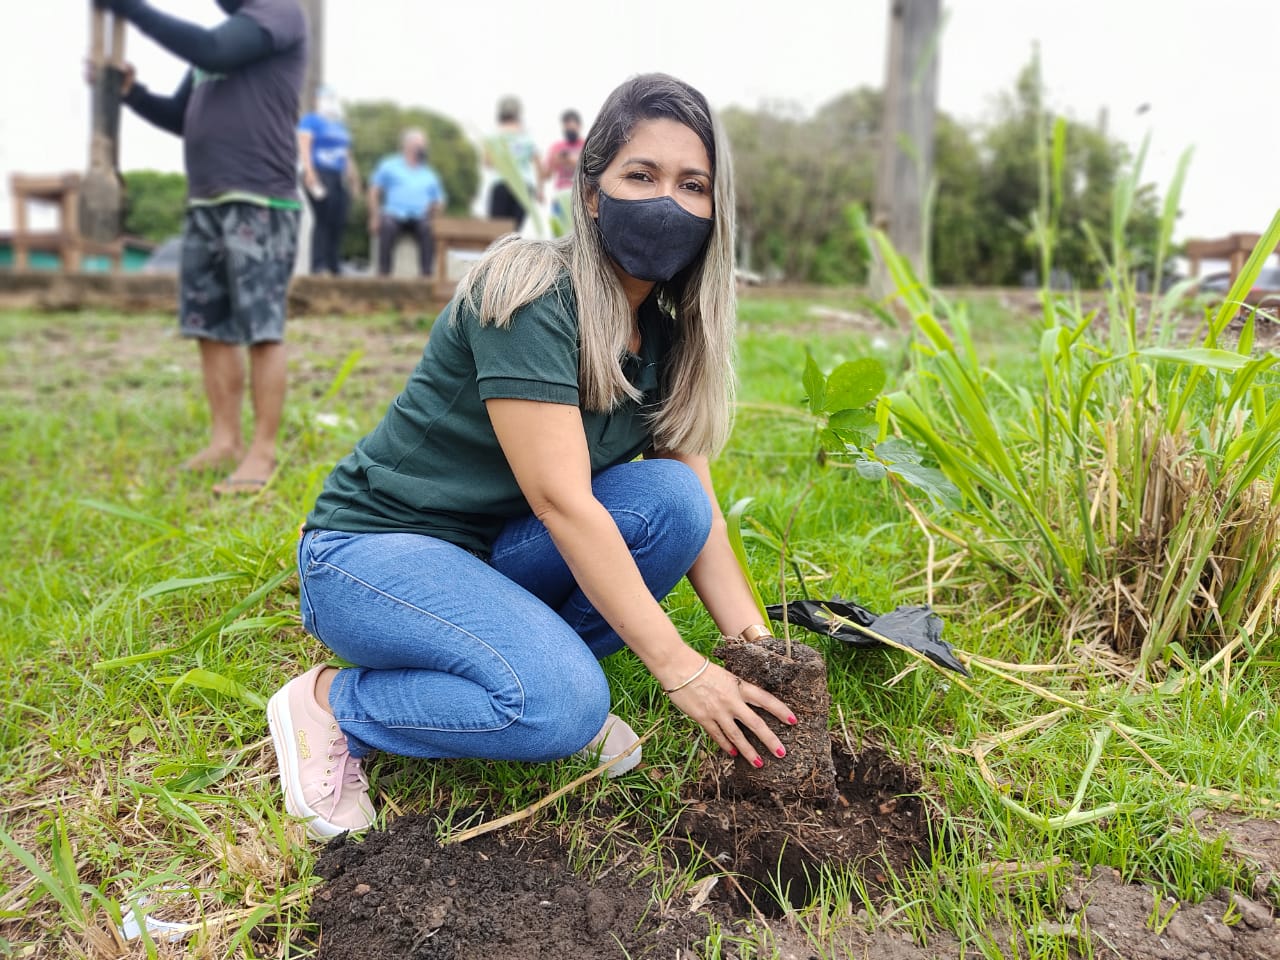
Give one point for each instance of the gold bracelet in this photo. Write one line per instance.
(706, 662)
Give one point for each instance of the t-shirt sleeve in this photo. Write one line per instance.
(534, 357)
(310, 123)
(440, 196)
(380, 178)
(282, 19)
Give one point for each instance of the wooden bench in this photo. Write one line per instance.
(62, 192)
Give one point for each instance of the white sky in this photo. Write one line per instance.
(1206, 68)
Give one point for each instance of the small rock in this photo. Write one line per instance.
(1071, 899)
(1218, 930)
(1254, 914)
(566, 895)
(1095, 914)
(1179, 929)
(601, 912)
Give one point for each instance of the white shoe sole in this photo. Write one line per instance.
(284, 732)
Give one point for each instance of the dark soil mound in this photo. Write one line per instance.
(878, 823)
(401, 894)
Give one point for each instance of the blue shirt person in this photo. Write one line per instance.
(329, 176)
(404, 195)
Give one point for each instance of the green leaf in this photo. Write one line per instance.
(137, 735)
(733, 520)
(897, 450)
(1197, 356)
(198, 776)
(186, 583)
(931, 481)
(208, 680)
(830, 441)
(815, 385)
(870, 469)
(850, 425)
(854, 384)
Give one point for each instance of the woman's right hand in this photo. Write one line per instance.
(724, 706)
(127, 75)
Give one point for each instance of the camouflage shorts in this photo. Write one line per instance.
(236, 263)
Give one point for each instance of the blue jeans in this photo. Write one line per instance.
(458, 657)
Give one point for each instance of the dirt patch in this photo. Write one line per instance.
(1253, 843)
(877, 824)
(1133, 922)
(399, 893)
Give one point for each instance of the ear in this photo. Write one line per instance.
(593, 202)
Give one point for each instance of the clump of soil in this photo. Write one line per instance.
(399, 893)
(800, 681)
(875, 823)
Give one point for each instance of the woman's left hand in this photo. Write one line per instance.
(723, 706)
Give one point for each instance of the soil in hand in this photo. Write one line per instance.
(800, 681)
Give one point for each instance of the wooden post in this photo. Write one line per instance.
(314, 10)
(906, 133)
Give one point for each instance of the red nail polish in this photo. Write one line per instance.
(733, 751)
(781, 751)
(791, 719)
(757, 762)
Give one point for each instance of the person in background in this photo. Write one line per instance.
(562, 160)
(511, 139)
(405, 195)
(236, 111)
(329, 176)
(538, 486)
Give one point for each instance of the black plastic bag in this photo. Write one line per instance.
(917, 628)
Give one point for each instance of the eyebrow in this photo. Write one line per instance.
(654, 165)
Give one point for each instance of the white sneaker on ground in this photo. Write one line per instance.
(613, 739)
(323, 783)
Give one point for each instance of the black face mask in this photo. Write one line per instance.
(571, 136)
(420, 155)
(651, 239)
(230, 6)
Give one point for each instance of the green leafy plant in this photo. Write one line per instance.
(1128, 483)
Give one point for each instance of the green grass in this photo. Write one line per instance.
(154, 778)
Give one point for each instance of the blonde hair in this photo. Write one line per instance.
(694, 416)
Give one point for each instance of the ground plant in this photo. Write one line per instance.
(143, 623)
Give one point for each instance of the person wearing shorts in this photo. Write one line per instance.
(236, 111)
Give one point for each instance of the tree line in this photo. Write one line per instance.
(805, 184)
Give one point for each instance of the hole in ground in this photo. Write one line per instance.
(776, 848)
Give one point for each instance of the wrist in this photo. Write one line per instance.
(675, 669)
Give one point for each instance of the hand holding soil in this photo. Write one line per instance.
(723, 706)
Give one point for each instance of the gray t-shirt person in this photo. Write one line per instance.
(237, 109)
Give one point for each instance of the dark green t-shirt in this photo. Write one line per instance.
(434, 466)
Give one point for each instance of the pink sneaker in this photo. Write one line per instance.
(614, 738)
(323, 783)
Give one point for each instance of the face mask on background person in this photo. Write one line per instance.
(571, 134)
(651, 239)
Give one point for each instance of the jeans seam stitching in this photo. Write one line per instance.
(427, 613)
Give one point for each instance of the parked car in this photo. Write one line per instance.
(1268, 280)
(165, 258)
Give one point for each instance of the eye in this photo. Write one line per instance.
(641, 175)
(695, 185)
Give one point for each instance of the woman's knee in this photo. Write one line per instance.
(665, 494)
(563, 718)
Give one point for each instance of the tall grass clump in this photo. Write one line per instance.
(1129, 482)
